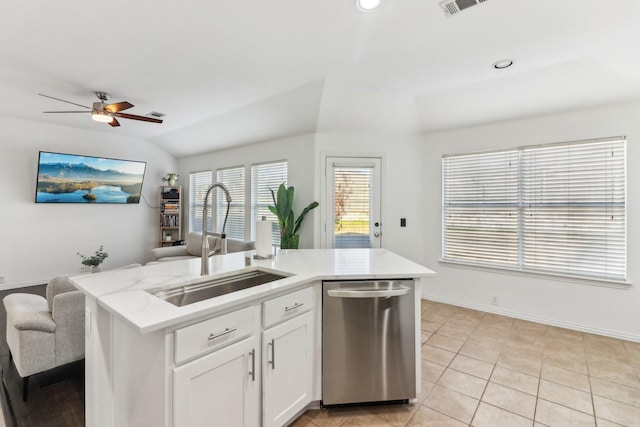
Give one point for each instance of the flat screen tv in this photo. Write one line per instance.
(70, 178)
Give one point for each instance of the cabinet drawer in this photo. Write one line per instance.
(214, 333)
(287, 306)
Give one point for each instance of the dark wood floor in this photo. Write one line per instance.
(56, 397)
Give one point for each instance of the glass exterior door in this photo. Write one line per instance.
(353, 208)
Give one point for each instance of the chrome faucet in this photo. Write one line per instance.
(205, 253)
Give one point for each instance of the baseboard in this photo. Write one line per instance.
(8, 286)
(536, 319)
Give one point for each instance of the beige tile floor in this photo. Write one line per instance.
(481, 369)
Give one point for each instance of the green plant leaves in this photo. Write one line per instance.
(306, 210)
(283, 210)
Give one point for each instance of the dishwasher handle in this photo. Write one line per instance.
(368, 293)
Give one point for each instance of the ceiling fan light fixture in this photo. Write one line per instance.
(101, 116)
(108, 113)
(367, 5)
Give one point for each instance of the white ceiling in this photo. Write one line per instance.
(229, 72)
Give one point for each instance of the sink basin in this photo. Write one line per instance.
(188, 294)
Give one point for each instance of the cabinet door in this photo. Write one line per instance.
(287, 357)
(219, 389)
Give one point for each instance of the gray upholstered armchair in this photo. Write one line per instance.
(45, 333)
(193, 247)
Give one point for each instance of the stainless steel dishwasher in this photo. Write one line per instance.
(368, 342)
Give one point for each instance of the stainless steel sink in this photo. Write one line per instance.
(188, 294)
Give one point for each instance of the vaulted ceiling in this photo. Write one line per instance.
(229, 72)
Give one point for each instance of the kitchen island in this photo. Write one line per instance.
(152, 363)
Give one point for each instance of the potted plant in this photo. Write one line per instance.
(170, 178)
(283, 209)
(94, 261)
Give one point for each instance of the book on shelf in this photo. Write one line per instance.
(169, 220)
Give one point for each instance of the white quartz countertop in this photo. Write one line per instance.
(124, 292)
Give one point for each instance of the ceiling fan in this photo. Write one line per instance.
(106, 113)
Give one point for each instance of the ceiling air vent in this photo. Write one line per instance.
(452, 7)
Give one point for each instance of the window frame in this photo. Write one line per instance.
(521, 267)
(195, 222)
(259, 209)
(237, 201)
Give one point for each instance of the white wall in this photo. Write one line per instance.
(298, 151)
(600, 309)
(41, 240)
(402, 175)
(402, 169)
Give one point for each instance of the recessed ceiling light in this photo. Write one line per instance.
(502, 64)
(368, 4)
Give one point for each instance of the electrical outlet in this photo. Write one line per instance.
(494, 300)
(1, 280)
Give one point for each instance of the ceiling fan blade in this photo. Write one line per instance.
(114, 123)
(62, 100)
(85, 112)
(134, 117)
(118, 106)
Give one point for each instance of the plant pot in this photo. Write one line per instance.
(96, 269)
(172, 182)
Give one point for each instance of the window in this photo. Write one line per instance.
(199, 182)
(233, 179)
(265, 177)
(557, 208)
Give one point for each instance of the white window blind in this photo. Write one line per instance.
(480, 208)
(199, 182)
(263, 178)
(233, 179)
(557, 208)
(352, 206)
(573, 199)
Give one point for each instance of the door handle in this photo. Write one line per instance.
(272, 362)
(368, 293)
(221, 334)
(252, 353)
(294, 306)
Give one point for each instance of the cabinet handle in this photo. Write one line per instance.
(223, 333)
(272, 362)
(294, 306)
(253, 364)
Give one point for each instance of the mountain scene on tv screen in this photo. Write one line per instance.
(84, 183)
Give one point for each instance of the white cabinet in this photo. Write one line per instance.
(223, 365)
(219, 389)
(220, 383)
(215, 333)
(287, 306)
(287, 369)
(287, 350)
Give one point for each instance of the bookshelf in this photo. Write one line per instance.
(170, 215)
